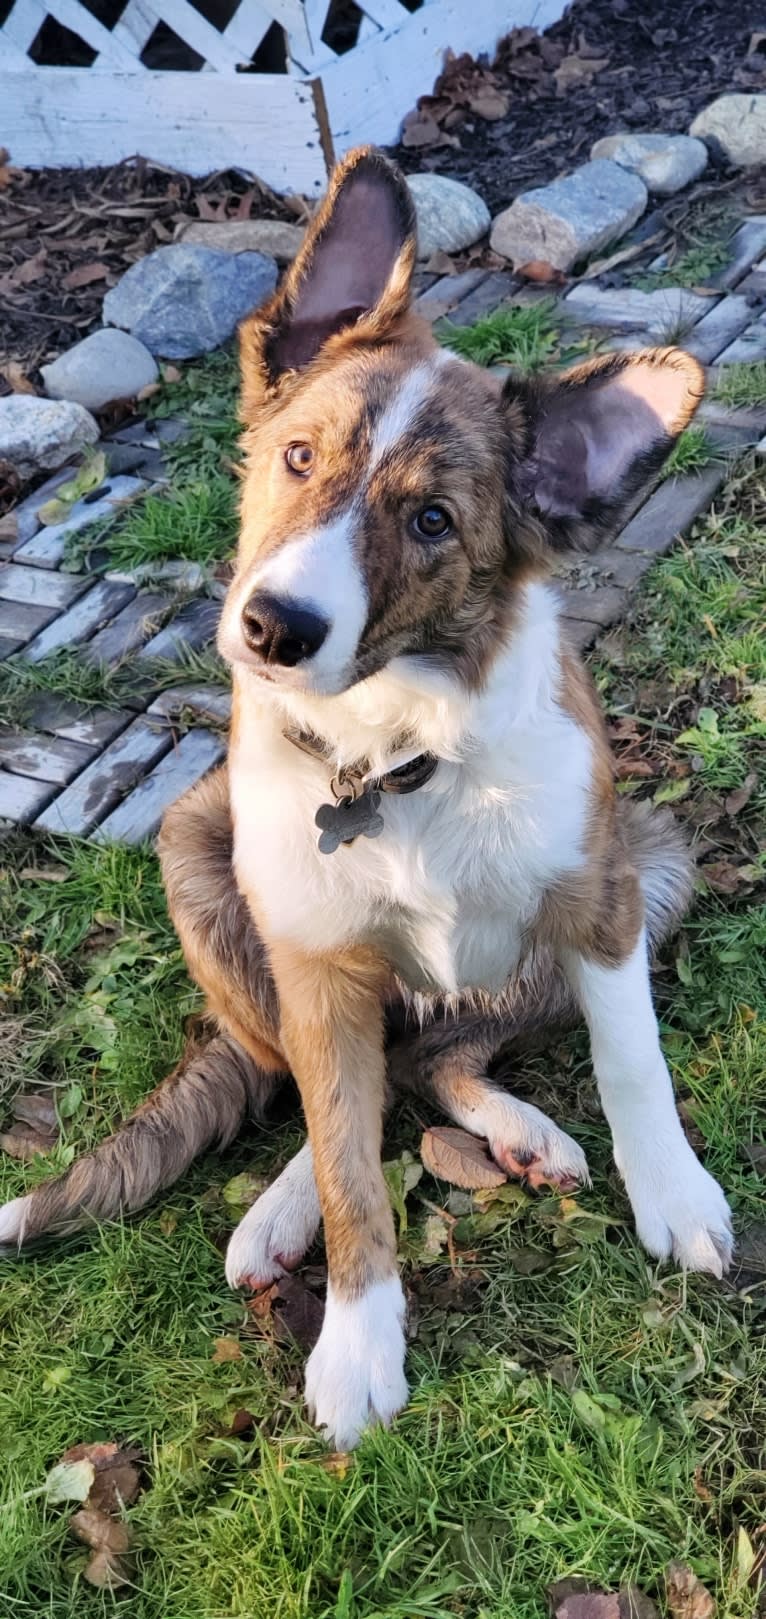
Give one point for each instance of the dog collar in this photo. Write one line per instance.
(356, 790)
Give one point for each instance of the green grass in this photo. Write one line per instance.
(575, 1410)
(702, 249)
(742, 385)
(690, 453)
(65, 674)
(525, 335)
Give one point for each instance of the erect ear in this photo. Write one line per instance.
(595, 434)
(354, 269)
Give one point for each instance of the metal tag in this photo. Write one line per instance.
(348, 819)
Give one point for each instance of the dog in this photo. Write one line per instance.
(415, 856)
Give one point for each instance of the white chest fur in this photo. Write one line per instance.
(449, 887)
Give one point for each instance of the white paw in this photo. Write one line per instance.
(355, 1375)
(680, 1210)
(279, 1228)
(12, 1221)
(526, 1142)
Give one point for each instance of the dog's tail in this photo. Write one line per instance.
(202, 1104)
(665, 864)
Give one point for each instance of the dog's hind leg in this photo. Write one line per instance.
(205, 1101)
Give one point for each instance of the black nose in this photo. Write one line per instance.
(281, 631)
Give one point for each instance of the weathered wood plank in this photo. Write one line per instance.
(718, 327)
(22, 798)
(671, 510)
(79, 722)
(193, 627)
(212, 702)
(751, 345)
(496, 289)
(447, 292)
(19, 584)
(60, 117)
(130, 627)
(46, 548)
(25, 513)
(620, 309)
(106, 780)
(747, 245)
(19, 622)
(45, 758)
(82, 620)
(139, 816)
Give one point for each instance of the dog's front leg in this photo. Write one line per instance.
(332, 1033)
(679, 1209)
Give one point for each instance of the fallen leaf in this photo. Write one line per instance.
(44, 874)
(577, 70)
(298, 1313)
(489, 104)
(53, 512)
(16, 378)
(242, 1422)
(9, 529)
(109, 1539)
(171, 373)
(401, 1176)
(419, 131)
(69, 1481)
(241, 1192)
(455, 1156)
(24, 274)
(38, 1109)
(117, 1480)
(541, 271)
(226, 1349)
(687, 1597)
(25, 1141)
(722, 877)
(737, 800)
(701, 1489)
(440, 263)
(588, 1605)
(83, 275)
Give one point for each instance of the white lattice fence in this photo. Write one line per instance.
(191, 83)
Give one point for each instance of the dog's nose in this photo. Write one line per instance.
(281, 632)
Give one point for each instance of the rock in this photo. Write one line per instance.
(665, 163)
(572, 217)
(272, 236)
(450, 215)
(105, 366)
(734, 127)
(40, 434)
(184, 300)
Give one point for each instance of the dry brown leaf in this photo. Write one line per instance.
(117, 1481)
(687, 1597)
(16, 378)
(25, 1140)
(109, 1540)
(298, 1313)
(737, 800)
(226, 1349)
(489, 104)
(421, 131)
(723, 877)
(457, 1157)
(171, 373)
(84, 274)
(576, 70)
(440, 263)
(43, 874)
(23, 275)
(540, 270)
(572, 1599)
(9, 529)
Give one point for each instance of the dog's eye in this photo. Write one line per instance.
(433, 523)
(300, 459)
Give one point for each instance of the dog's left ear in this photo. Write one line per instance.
(354, 269)
(589, 439)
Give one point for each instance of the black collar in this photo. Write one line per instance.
(352, 780)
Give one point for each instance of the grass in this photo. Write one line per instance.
(690, 453)
(66, 675)
(525, 335)
(742, 384)
(702, 249)
(575, 1409)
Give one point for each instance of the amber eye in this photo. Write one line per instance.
(433, 523)
(300, 459)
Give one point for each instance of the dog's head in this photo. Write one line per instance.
(395, 496)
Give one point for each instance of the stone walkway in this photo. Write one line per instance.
(106, 773)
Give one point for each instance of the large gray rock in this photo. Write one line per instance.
(665, 163)
(41, 434)
(734, 127)
(450, 215)
(184, 300)
(272, 236)
(106, 365)
(572, 217)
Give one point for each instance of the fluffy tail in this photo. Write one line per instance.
(665, 864)
(200, 1105)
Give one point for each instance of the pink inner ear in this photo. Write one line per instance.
(594, 433)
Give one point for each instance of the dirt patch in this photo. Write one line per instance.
(607, 65)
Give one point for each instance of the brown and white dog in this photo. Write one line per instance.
(415, 856)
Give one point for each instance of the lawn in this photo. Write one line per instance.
(575, 1409)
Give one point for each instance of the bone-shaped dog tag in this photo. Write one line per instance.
(348, 819)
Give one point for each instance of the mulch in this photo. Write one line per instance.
(608, 65)
(66, 236)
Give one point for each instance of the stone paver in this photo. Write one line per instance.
(110, 772)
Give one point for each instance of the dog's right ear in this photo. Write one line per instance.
(354, 269)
